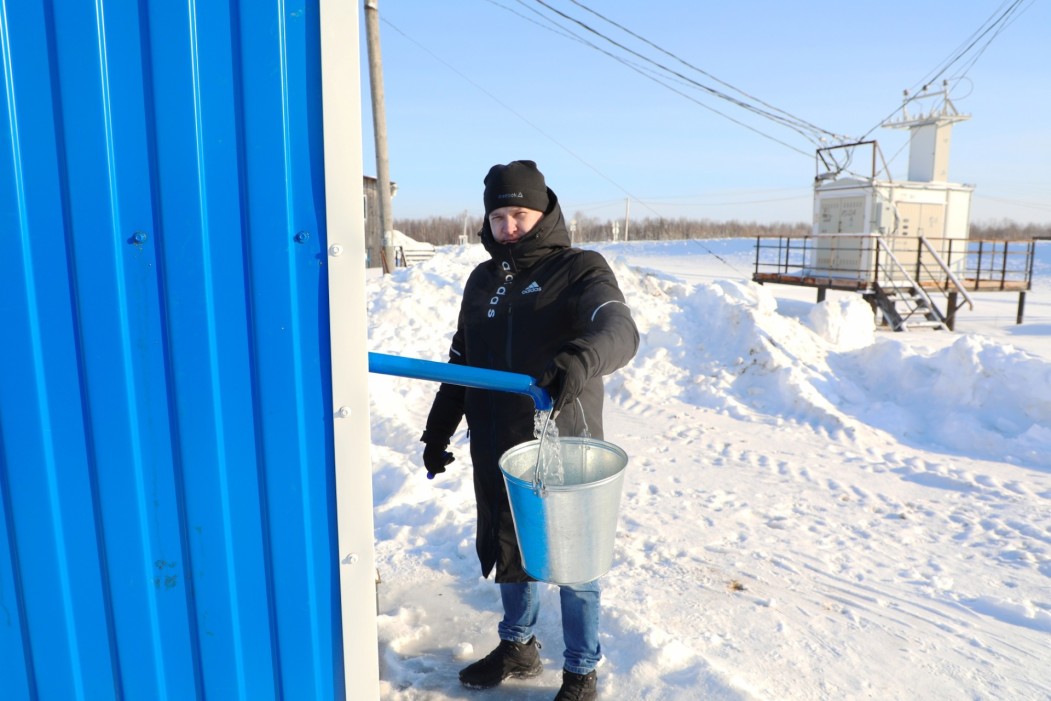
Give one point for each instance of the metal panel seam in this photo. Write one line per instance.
(238, 97)
(300, 413)
(40, 383)
(213, 353)
(127, 360)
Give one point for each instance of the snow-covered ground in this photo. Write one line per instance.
(813, 509)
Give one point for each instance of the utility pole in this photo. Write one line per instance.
(627, 209)
(379, 128)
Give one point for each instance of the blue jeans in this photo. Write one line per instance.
(580, 606)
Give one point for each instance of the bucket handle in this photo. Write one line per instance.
(538, 484)
(584, 418)
(539, 488)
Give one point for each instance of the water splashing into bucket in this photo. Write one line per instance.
(549, 461)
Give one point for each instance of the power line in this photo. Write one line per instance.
(545, 134)
(549, 26)
(797, 120)
(646, 73)
(807, 194)
(788, 122)
(651, 75)
(998, 24)
(664, 74)
(510, 109)
(978, 54)
(1043, 206)
(954, 55)
(652, 203)
(995, 24)
(995, 21)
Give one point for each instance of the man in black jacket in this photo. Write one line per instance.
(541, 308)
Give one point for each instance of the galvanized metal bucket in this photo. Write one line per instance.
(566, 531)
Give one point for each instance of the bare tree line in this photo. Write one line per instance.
(1008, 230)
(448, 230)
(583, 229)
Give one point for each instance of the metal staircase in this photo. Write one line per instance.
(905, 306)
(904, 301)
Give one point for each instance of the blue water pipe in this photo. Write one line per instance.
(463, 375)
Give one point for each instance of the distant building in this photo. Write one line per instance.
(905, 244)
(373, 229)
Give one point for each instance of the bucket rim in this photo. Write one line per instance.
(596, 442)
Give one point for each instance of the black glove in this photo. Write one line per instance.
(564, 379)
(435, 455)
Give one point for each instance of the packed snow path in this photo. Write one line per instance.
(813, 509)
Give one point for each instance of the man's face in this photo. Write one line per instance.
(509, 224)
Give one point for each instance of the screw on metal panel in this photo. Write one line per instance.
(302, 236)
(139, 237)
(343, 412)
(335, 250)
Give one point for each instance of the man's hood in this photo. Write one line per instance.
(549, 234)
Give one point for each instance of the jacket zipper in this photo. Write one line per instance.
(510, 326)
(510, 310)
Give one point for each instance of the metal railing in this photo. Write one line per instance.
(843, 261)
(952, 283)
(404, 257)
(895, 268)
(1001, 265)
(849, 261)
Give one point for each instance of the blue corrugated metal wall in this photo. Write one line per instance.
(167, 524)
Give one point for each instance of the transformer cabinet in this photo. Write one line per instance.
(923, 212)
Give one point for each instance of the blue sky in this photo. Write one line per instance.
(470, 83)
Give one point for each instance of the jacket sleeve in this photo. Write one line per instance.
(448, 406)
(609, 337)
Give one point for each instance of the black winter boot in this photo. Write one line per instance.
(509, 659)
(578, 687)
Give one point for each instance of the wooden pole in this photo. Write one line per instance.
(379, 128)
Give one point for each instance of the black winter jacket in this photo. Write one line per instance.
(535, 298)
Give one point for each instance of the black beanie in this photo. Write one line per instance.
(517, 184)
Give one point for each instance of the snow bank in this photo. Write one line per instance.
(809, 503)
